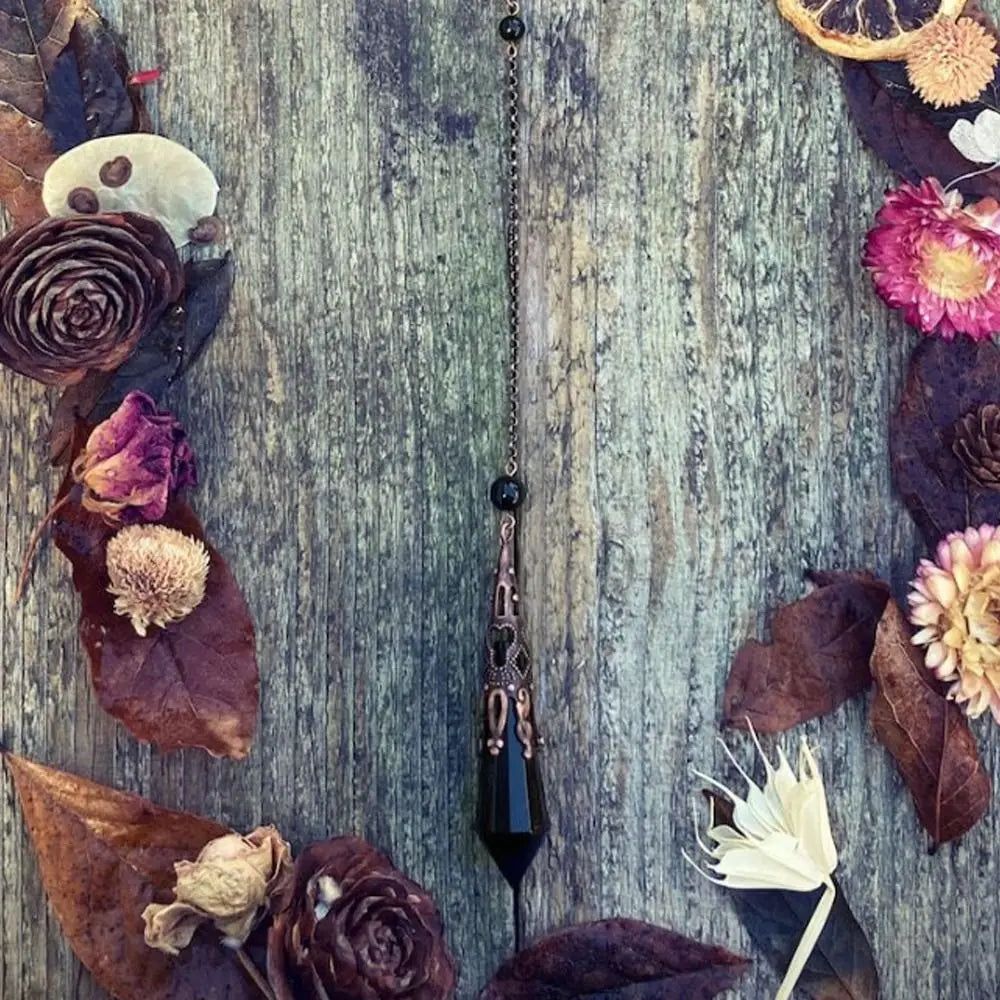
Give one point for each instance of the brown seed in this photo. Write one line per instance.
(116, 172)
(83, 200)
(209, 229)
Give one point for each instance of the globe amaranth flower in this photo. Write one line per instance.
(134, 462)
(938, 260)
(951, 61)
(955, 602)
(776, 837)
(77, 293)
(229, 885)
(157, 574)
(351, 926)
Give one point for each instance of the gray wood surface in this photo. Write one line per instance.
(707, 381)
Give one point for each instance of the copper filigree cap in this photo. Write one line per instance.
(157, 574)
(951, 62)
(977, 445)
(352, 925)
(76, 294)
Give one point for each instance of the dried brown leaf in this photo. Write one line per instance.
(818, 657)
(616, 960)
(194, 683)
(928, 735)
(104, 855)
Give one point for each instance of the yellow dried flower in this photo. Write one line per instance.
(956, 602)
(157, 574)
(950, 62)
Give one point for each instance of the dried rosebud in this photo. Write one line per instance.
(229, 884)
(134, 462)
(351, 925)
(977, 445)
(157, 574)
(77, 293)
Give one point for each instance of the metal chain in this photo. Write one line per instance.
(513, 244)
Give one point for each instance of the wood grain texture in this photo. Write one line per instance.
(707, 382)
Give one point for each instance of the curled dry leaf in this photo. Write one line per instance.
(136, 172)
(194, 683)
(818, 657)
(927, 735)
(947, 381)
(105, 855)
(160, 358)
(616, 960)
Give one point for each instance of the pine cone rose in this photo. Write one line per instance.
(977, 445)
(77, 293)
(352, 927)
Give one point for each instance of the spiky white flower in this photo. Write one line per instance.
(779, 838)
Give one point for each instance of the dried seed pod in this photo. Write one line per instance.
(977, 445)
(77, 293)
(137, 172)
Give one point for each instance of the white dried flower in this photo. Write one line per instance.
(157, 574)
(979, 140)
(780, 838)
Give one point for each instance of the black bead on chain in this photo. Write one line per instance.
(512, 29)
(507, 493)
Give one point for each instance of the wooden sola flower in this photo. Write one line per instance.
(938, 260)
(955, 601)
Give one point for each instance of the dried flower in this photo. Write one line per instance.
(938, 261)
(977, 445)
(157, 574)
(955, 601)
(951, 62)
(76, 294)
(134, 462)
(978, 141)
(351, 925)
(229, 884)
(778, 837)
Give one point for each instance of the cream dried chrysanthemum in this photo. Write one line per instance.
(956, 603)
(951, 62)
(157, 574)
(779, 838)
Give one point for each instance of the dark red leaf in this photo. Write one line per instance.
(946, 381)
(927, 735)
(616, 960)
(104, 855)
(818, 657)
(909, 136)
(194, 683)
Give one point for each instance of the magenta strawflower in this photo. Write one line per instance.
(938, 260)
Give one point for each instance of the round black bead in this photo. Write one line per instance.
(507, 493)
(512, 29)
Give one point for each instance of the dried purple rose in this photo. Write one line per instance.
(77, 293)
(352, 927)
(134, 462)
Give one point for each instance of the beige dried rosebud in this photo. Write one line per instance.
(228, 884)
(157, 574)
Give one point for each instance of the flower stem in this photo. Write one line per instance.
(36, 537)
(254, 973)
(809, 938)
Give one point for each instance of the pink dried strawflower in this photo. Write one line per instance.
(134, 462)
(956, 603)
(937, 260)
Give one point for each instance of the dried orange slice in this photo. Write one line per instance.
(866, 29)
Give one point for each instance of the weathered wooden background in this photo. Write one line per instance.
(707, 382)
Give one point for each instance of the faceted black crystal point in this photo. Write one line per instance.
(511, 820)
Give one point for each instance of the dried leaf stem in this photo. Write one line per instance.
(254, 973)
(36, 537)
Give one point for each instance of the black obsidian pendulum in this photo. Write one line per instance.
(512, 820)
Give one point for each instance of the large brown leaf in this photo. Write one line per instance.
(928, 735)
(616, 960)
(194, 683)
(818, 657)
(946, 381)
(104, 855)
